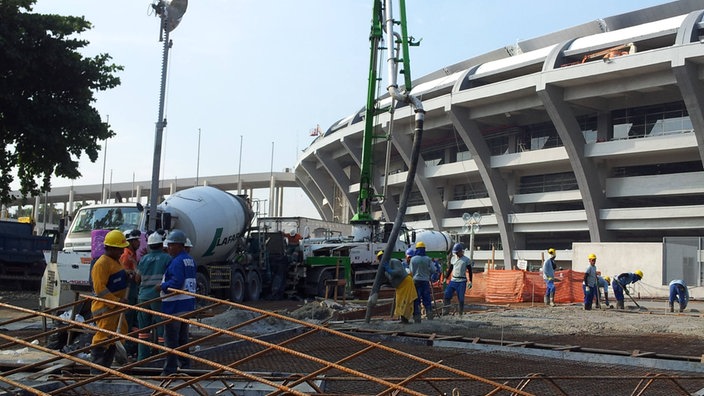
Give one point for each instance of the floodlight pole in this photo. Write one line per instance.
(105, 157)
(160, 124)
(198, 160)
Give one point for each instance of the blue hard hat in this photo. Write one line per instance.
(410, 252)
(458, 248)
(176, 236)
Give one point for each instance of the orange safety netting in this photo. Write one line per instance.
(511, 286)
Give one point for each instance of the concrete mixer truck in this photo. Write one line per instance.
(232, 260)
(236, 260)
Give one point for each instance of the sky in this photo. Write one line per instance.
(264, 73)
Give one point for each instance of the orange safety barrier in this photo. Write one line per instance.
(512, 286)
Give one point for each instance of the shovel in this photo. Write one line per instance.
(628, 294)
(121, 355)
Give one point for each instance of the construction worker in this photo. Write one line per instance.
(549, 268)
(421, 269)
(590, 285)
(410, 252)
(619, 285)
(179, 275)
(402, 282)
(293, 242)
(458, 272)
(109, 280)
(150, 271)
(603, 283)
(129, 262)
(679, 291)
(188, 245)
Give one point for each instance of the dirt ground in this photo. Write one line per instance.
(650, 328)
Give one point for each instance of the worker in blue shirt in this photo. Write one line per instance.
(421, 269)
(619, 285)
(679, 291)
(589, 283)
(603, 283)
(410, 252)
(459, 271)
(179, 275)
(549, 267)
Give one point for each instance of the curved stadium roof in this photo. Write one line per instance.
(593, 133)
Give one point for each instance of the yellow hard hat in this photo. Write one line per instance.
(592, 256)
(607, 279)
(639, 273)
(379, 253)
(115, 238)
(420, 245)
(551, 251)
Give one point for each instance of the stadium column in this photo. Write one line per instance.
(589, 179)
(427, 189)
(496, 187)
(389, 206)
(338, 177)
(324, 186)
(687, 76)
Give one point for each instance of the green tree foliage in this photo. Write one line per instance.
(47, 118)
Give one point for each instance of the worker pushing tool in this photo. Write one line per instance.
(679, 292)
(402, 282)
(602, 283)
(619, 284)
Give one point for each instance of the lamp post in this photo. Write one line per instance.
(471, 227)
(198, 158)
(170, 13)
(239, 171)
(105, 156)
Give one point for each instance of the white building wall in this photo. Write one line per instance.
(615, 258)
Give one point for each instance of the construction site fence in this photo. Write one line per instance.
(514, 286)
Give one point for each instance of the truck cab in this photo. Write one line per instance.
(68, 272)
(117, 216)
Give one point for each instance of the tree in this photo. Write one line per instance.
(47, 118)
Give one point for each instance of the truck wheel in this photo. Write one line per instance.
(254, 286)
(237, 287)
(202, 284)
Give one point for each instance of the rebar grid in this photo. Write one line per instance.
(117, 335)
(328, 365)
(330, 368)
(355, 339)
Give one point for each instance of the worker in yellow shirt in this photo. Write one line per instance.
(110, 282)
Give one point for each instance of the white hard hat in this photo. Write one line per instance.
(155, 239)
(132, 235)
(188, 243)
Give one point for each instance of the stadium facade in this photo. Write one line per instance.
(590, 134)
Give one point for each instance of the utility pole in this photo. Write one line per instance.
(105, 156)
(198, 160)
(170, 15)
(239, 171)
